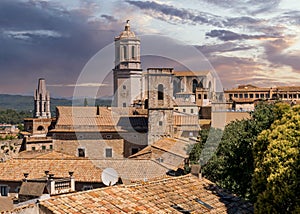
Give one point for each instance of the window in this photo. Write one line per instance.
(134, 150)
(199, 96)
(256, 95)
(192, 111)
(81, 152)
(235, 95)
(251, 95)
(183, 110)
(40, 128)
(108, 152)
(195, 85)
(43, 147)
(262, 95)
(124, 87)
(124, 104)
(4, 190)
(285, 96)
(160, 123)
(240, 95)
(125, 52)
(132, 52)
(33, 148)
(51, 147)
(245, 95)
(205, 96)
(160, 92)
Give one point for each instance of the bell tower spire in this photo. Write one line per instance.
(127, 71)
(42, 101)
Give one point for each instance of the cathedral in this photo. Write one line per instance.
(149, 106)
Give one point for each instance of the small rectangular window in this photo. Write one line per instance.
(51, 147)
(43, 147)
(245, 95)
(235, 95)
(256, 95)
(81, 152)
(4, 190)
(240, 95)
(33, 148)
(199, 96)
(108, 152)
(124, 104)
(192, 111)
(251, 95)
(205, 96)
(160, 123)
(124, 87)
(183, 110)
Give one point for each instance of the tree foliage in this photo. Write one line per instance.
(276, 175)
(10, 116)
(231, 167)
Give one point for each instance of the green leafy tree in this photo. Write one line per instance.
(232, 166)
(277, 165)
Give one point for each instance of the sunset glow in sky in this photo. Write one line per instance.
(246, 41)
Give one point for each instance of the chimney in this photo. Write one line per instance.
(47, 174)
(196, 170)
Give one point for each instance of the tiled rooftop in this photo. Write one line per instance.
(131, 170)
(84, 170)
(162, 196)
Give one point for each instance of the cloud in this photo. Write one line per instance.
(174, 15)
(246, 7)
(226, 35)
(43, 39)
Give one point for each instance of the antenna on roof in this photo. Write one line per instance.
(109, 176)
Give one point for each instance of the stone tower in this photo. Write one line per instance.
(160, 103)
(127, 71)
(42, 101)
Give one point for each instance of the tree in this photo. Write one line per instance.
(276, 175)
(231, 166)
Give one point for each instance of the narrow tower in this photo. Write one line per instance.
(127, 71)
(160, 103)
(42, 101)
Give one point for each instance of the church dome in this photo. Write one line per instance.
(127, 33)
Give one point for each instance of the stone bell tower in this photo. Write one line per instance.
(42, 101)
(127, 71)
(160, 101)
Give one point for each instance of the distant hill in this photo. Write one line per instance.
(26, 103)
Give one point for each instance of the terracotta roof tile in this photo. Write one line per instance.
(132, 170)
(14, 169)
(162, 196)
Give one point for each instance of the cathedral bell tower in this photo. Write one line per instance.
(42, 101)
(127, 71)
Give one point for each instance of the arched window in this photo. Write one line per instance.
(40, 128)
(132, 52)
(125, 52)
(160, 92)
(200, 85)
(195, 85)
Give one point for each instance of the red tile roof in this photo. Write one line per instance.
(162, 196)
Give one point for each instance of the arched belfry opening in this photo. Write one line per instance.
(160, 92)
(195, 85)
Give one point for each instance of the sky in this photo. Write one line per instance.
(246, 41)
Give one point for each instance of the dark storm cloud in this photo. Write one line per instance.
(226, 35)
(171, 14)
(40, 39)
